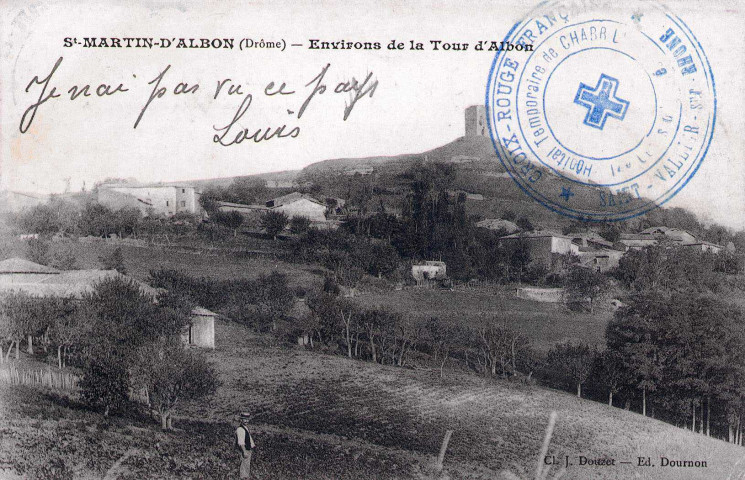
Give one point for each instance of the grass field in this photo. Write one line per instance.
(544, 323)
(322, 417)
(140, 260)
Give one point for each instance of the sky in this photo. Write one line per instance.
(418, 103)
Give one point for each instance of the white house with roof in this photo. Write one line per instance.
(428, 270)
(23, 276)
(298, 204)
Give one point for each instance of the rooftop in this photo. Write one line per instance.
(202, 312)
(536, 234)
(290, 198)
(497, 223)
(21, 265)
(59, 283)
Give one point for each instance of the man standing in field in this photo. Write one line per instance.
(246, 444)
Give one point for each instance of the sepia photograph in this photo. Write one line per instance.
(325, 239)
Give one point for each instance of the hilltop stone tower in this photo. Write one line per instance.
(476, 121)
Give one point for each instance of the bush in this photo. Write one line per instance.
(64, 259)
(524, 224)
(585, 285)
(105, 382)
(274, 222)
(230, 220)
(39, 219)
(38, 251)
(299, 225)
(114, 261)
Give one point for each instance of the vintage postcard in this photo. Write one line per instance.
(325, 239)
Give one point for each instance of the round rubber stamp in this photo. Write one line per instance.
(610, 115)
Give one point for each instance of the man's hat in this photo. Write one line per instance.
(245, 415)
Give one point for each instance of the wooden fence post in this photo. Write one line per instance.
(443, 448)
(539, 473)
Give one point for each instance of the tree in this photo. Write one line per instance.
(337, 318)
(633, 335)
(96, 220)
(611, 373)
(39, 220)
(299, 225)
(610, 232)
(347, 269)
(231, 220)
(114, 261)
(444, 339)
(210, 201)
(499, 346)
(125, 319)
(105, 380)
(126, 221)
(377, 324)
(685, 347)
(669, 268)
(382, 260)
(274, 222)
(586, 285)
(38, 251)
(322, 319)
(407, 333)
(171, 374)
(520, 257)
(246, 190)
(274, 297)
(573, 362)
(71, 328)
(23, 316)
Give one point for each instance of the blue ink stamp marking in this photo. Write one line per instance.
(610, 115)
(601, 102)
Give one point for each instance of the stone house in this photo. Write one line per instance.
(654, 235)
(165, 200)
(545, 246)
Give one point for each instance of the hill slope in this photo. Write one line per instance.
(478, 170)
(319, 416)
(461, 150)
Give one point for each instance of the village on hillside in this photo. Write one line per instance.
(373, 316)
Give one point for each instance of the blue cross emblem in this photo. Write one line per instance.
(566, 193)
(601, 102)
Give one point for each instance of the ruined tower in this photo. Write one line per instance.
(476, 121)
